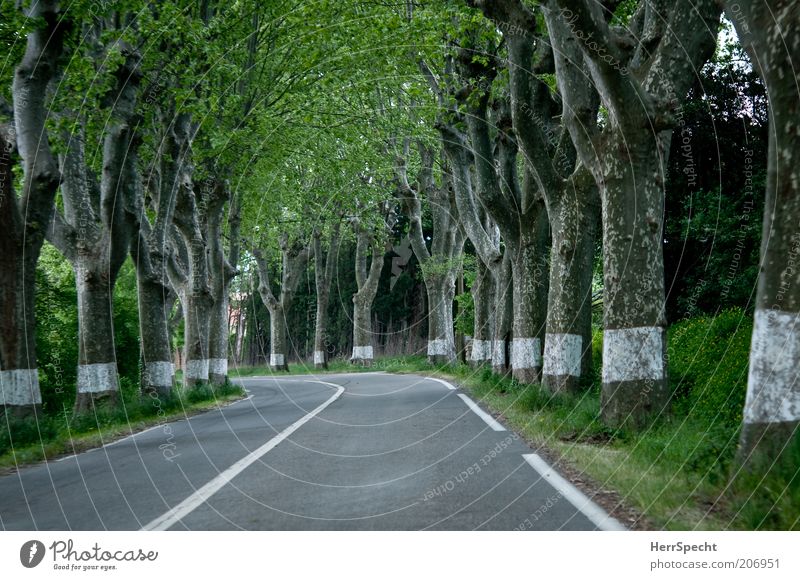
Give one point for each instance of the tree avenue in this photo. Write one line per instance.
(250, 171)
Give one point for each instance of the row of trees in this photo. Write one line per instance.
(201, 140)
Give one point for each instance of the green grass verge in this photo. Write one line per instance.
(677, 473)
(29, 440)
(387, 364)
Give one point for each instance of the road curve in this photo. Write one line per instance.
(361, 451)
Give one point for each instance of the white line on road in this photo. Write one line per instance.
(488, 419)
(573, 495)
(201, 495)
(445, 383)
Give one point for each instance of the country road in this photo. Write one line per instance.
(361, 451)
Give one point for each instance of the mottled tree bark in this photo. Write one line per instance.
(94, 235)
(641, 81)
(151, 255)
(222, 271)
(324, 267)
(189, 275)
(441, 263)
(294, 257)
(768, 30)
(367, 282)
(26, 219)
(570, 194)
(481, 351)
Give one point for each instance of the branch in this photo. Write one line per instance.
(264, 289)
(62, 236)
(585, 19)
(413, 207)
(580, 101)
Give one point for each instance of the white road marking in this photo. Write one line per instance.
(445, 383)
(201, 495)
(573, 495)
(488, 419)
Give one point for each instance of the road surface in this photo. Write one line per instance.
(361, 451)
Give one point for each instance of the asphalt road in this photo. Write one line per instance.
(363, 451)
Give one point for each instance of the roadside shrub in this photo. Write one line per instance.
(708, 359)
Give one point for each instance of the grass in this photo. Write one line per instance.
(677, 473)
(339, 365)
(29, 440)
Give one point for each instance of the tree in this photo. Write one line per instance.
(369, 244)
(441, 263)
(569, 194)
(641, 74)
(94, 233)
(768, 31)
(324, 267)
(26, 218)
(294, 257)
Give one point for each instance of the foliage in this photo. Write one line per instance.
(714, 194)
(708, 359)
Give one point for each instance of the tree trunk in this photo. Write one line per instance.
(26, 220)
(222, 271)
(294, 258)
(768, 31)
(568, 342)
(529, 279)
(218, 336)
(442, 262)
(151, 256)
(277, 339)
(197, 309)
(441, 340)
(321, 331)
(635, 386)
(324, 265)
(367, 281)
(98, 381)
(158, 373)
(362, 330)
(481, 351)
(503, 313)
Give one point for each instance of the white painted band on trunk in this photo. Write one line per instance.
(526, 353)
(633, 354)
(773, 383)
(319, 357)
(440, 347)
(97, 378)
(20, 387)
(362, 353)
(481, 350)
(197, 370)
(159, 374)
(498, 352)
(276, 359)
(562, 354)
(218, 366)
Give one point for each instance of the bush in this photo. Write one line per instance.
(708, 360)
